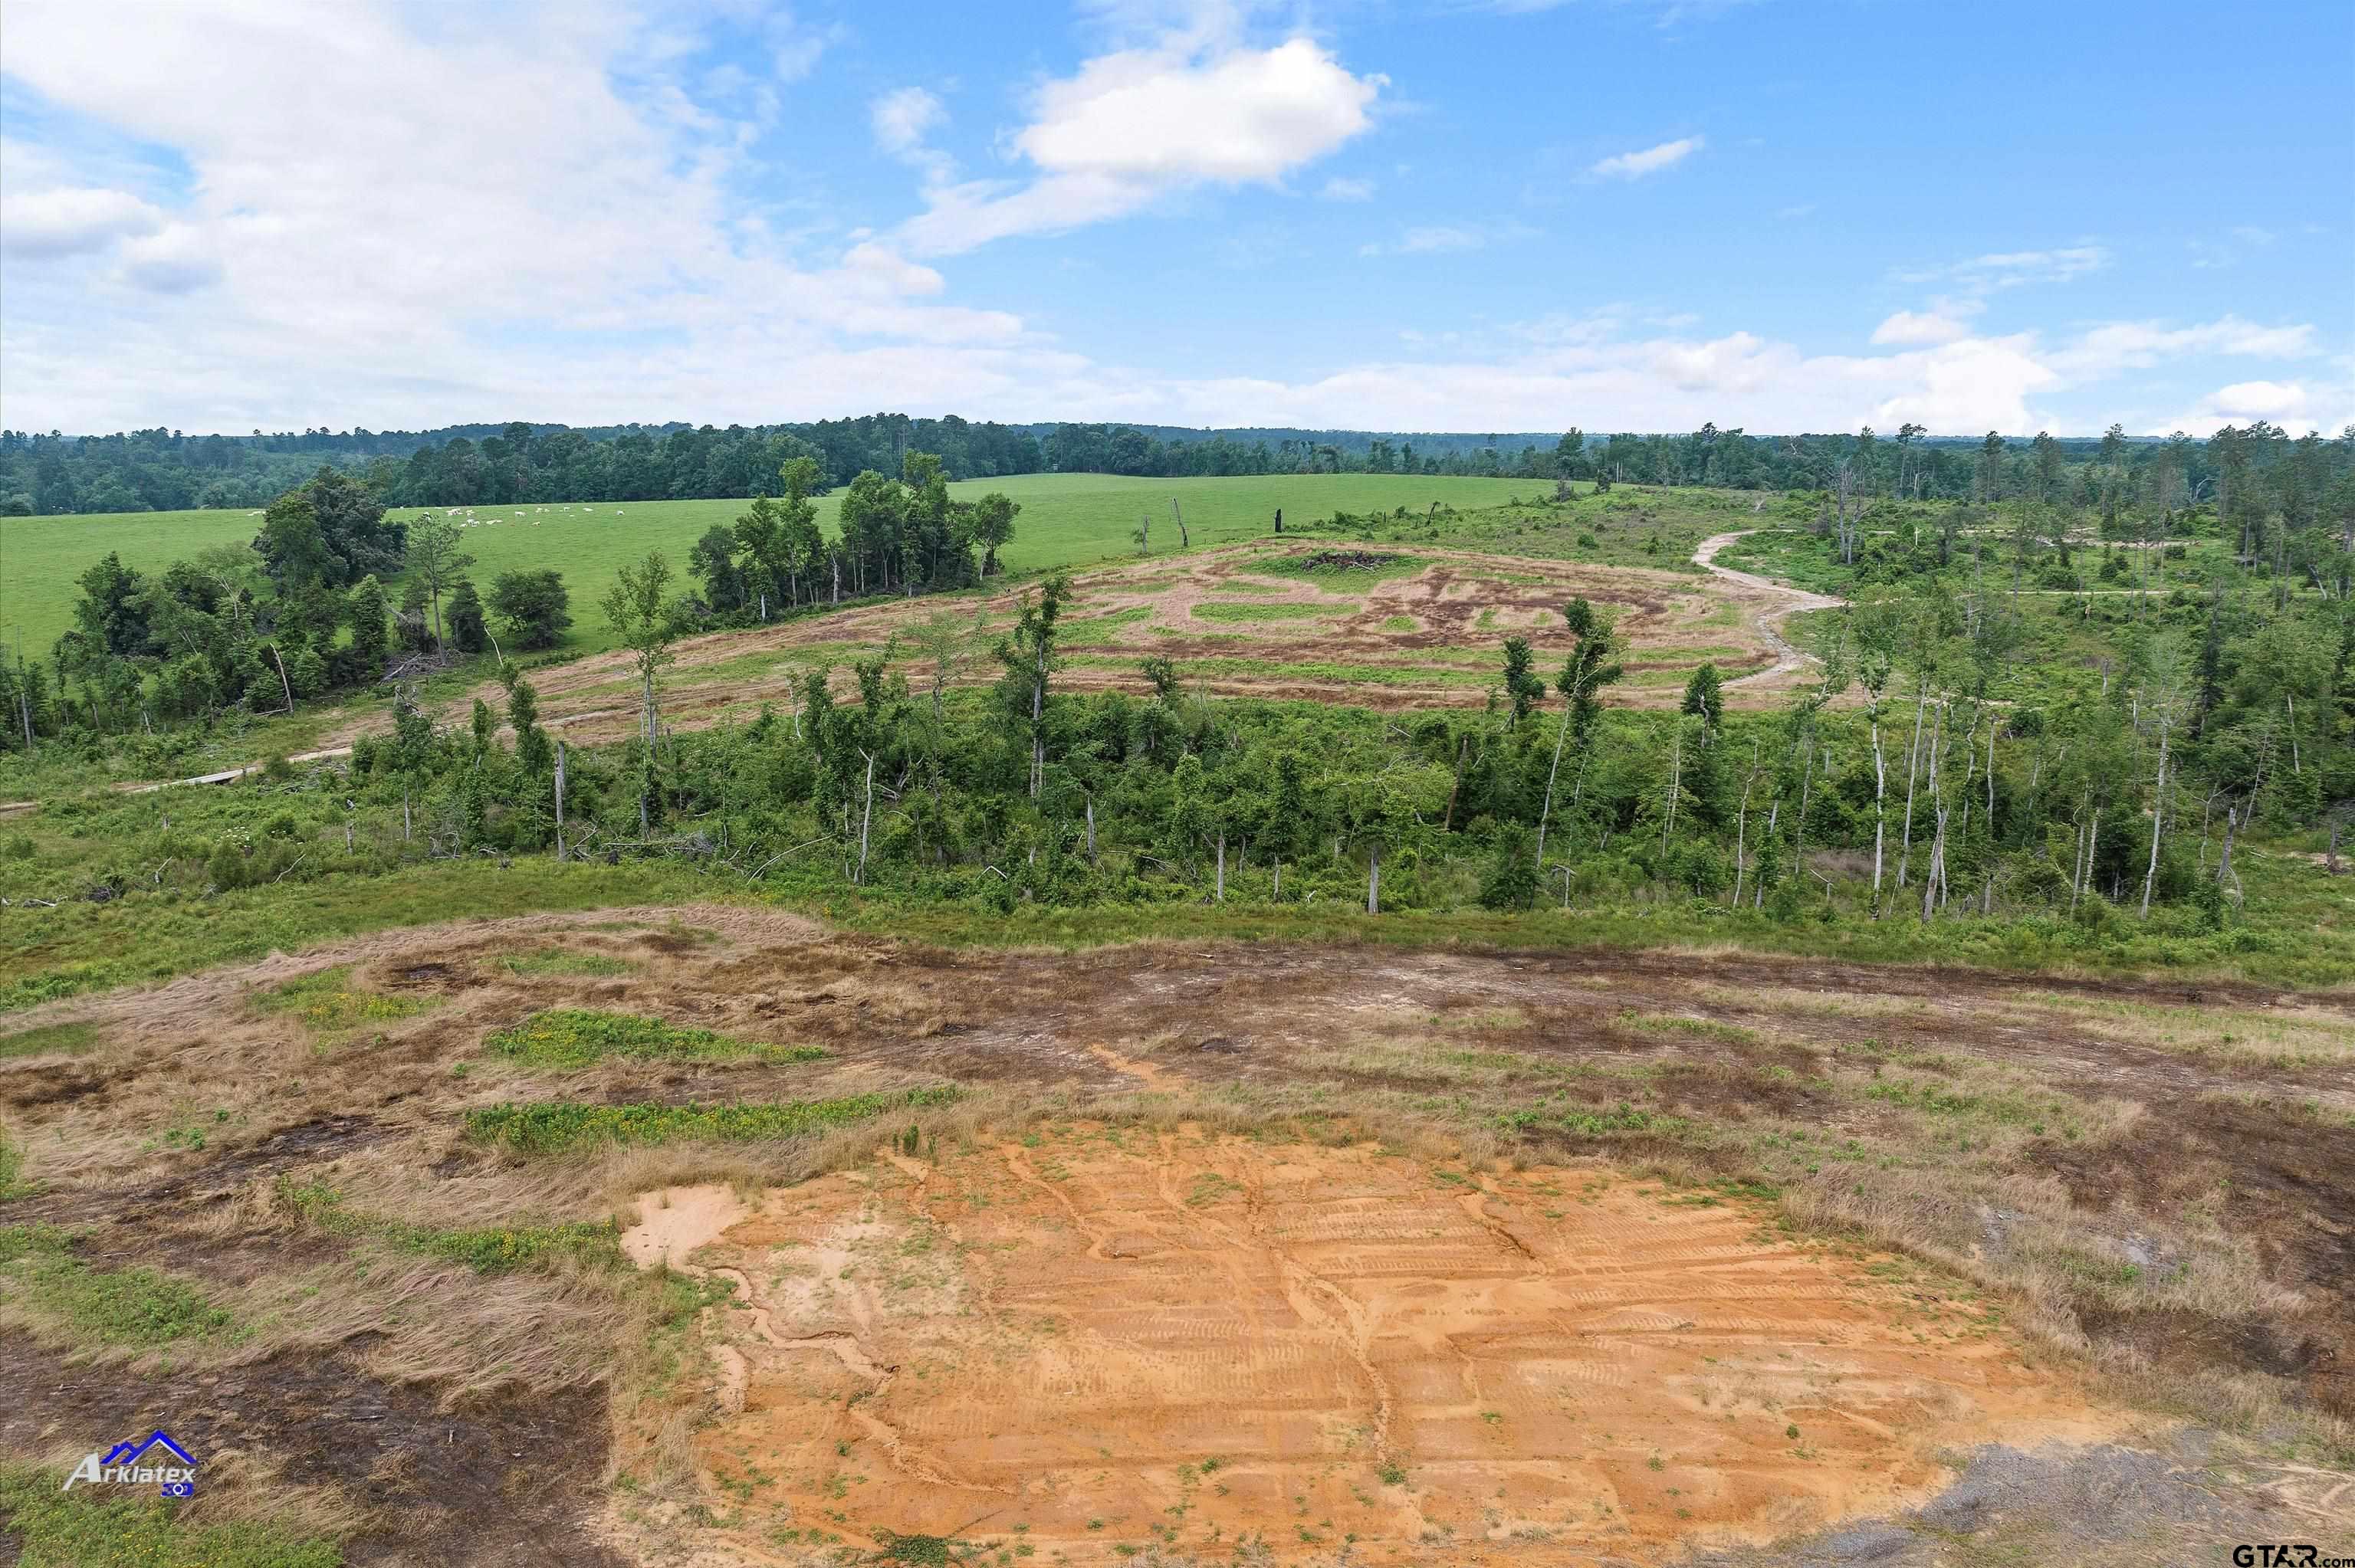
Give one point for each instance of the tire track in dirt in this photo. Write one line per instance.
(675, 1250)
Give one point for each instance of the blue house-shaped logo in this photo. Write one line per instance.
(130, 1452)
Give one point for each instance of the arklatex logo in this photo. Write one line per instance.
(130, 1462)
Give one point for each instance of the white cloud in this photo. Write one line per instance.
(1134, 125)
(1798, 210)
(2296, 407)
(2013, 269)
(903, 119)
(1650, 161)
(1428, 239)
(1348, 190)
(2137, 346)
(173, 260)
(1908, 327)
(71, 220)
(558, 233)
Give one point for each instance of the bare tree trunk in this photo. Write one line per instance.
(1913, 766)
(2076, 866)
(1219, 888)
(408, 823)
(2224, 864)
(865, 819)
(1880, 803)
(2157, 820)
(1091, 832)
(559, 800)
(283, 684)
(1741, 827)
(1676, 783)
(1988, 902)
(1374, 881)
(1040, 725)
(1278, 894)
(1185, 540)
(1546, 814)
(2093, 844)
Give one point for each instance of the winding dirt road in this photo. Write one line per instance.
(1788, 659)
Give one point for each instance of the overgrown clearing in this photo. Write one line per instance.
(1237, 621)
(1068, 519)
(1666, 1246)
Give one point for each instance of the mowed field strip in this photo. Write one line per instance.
(1068, 519)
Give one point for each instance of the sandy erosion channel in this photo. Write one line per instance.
(1096, 1337)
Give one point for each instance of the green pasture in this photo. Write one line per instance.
(1068, 520)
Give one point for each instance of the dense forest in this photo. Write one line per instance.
(496, 465)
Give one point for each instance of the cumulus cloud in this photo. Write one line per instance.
(2296, 407)
(1649, 161)
(1136, 124)
(1348, 190)
(2137, 346)
(560, 234)
(903, 119)
(70, 220)
(1919, 327)
(173, 261)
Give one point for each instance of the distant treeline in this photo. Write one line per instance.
(466, 465)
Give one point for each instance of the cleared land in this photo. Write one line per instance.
(1068, 519)
(1418, 630)
(1315, 1213)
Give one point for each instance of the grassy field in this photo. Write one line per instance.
(1068, 519)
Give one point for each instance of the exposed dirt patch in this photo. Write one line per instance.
(2152, 1131)
(1092, 1335)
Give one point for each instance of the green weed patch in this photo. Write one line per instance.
(1214, 610)
(141, 1308)
(553, 1126)
(327, 1001)
(559, 962)
(568, 1037)
(54, 1037)
(112, 1527)
(490, 1249)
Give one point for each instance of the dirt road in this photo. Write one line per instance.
(1780, 601)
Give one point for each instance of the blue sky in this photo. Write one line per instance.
(1622, 216)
